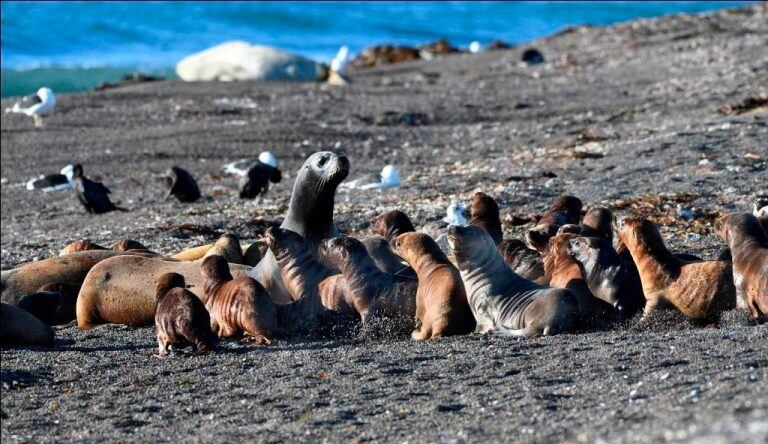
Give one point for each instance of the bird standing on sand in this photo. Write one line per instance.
(36, 106)
(257, 178)
(181, 185)
(93, 195)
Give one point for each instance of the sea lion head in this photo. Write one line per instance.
(570, 206)
(602, 267)
(391, 223)
(483, 207)
(127, 244)
(471, 246)
(166, 282)
(733, 227)
(538, 236)
(599, 222)
(327, 168)
(284, 242)
(215, 269)
(227, 246)
(413, 245)
(344, 250)
(639, 233)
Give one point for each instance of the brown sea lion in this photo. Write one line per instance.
(180, 317)
(381, 253)
(81, 245)
(73, 268)
(565, 272)
(485, 214)
(522, 260)
(598, 222)
(565, 210)
(699, 290)
(748, 243)
(441, 301)
(607, 275)
(228, 247)
(238, 306)
(54, 303)
(128, 244)
(501, 300)
(310, 214)
(121, 290)
(192, 254)
(391, 224)
(369, 289)
(19, 328)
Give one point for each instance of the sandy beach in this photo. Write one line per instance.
(647, 115)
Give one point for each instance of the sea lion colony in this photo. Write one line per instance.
(573, 273)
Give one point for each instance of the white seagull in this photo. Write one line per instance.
(453, 214)
(240, 167)
(36, 106)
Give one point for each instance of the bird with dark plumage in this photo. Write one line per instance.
(181, 185)
(93, 195)
(256, 180)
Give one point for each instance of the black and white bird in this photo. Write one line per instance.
(93, 195)
(181, 185)
(36, 105)
(255, 175)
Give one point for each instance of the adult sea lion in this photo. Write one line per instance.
(121, 290)
(699, 290)
(128, 244)
(310, 214)
(748, 243)
(181, 318)
(26, 279)
(598, 222)
(80, 245)
(54, 303)
(503, 301)
(441, 301)
(565, 210)
(17, 327)
(391, 224)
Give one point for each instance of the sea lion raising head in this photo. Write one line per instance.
(485, 214)
(391, 224)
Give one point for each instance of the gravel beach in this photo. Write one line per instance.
(655, 116)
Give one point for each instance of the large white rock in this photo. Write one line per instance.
(238, 60)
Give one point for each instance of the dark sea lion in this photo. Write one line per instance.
(503, 301)
(310, 214)
(607, 275)
(28, 278)
(19, 328)
(598, 222)
(699, 290)
(180, 317)
(748, 243)
(441, 301)
(252, 254)
(565, 272)
(485, 214)
(93, 195)
(369, 289)
(121, 290)
(181, 185)
(391, 224)
(565, 210)
(381, 253)
(54, 303)
(228, 247)
(127, 245)
(80, 245)
(522, 260)
(238, 306)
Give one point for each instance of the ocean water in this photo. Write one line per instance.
(73, 46)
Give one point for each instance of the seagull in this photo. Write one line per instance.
(241, 167)
(338, 67)
(36, 106)
(49, 182)
(454, 214)
(93, 195)
(388, 178)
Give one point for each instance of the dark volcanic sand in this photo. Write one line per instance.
(651, 90)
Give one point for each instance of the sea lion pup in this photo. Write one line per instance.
(700, 290)
(485, 214)
(310, 214)
(228, 247)
(73, 268)
(181, 185)
(180, 317)
(252, 254)
(538, 236)
(441, 301)
(239, 307)
(128, 244)
(17, 327)
(386, 295)
(121, 290)
(391, 224)
(80, 245)
(54, 304)
(565, 210)
(608, 276)
(749, 247)
(522, 260)
(503, 301)
(381, 253)
(598, 222)
(566, 273)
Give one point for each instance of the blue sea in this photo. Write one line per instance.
(73, 46)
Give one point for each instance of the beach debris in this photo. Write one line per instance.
(532, 56)
(684, 213)
(130, 79)
(388, 178)
(338, 67)
(181, 185)
(749, 104)
(36, 105)
(239, 60)
(440, 47)
(388, 54)
(497, 45)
